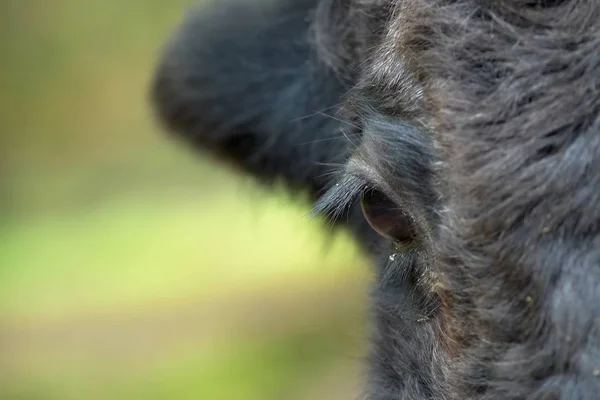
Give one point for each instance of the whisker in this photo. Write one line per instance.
(321, 112)
(321, 140)
(347, 137)
(338, 119)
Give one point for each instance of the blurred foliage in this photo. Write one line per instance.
(131, 268)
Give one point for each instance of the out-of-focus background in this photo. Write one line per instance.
(134, 268)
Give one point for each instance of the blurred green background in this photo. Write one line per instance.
(133, 268)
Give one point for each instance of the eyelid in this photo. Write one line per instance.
(372, 181)
(358, 178)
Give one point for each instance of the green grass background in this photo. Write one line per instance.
(134, 268)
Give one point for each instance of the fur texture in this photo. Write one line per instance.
(479, 119)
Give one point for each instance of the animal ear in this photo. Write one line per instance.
(242, 80)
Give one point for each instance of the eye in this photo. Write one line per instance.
(386, 218)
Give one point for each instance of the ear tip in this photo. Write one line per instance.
(160, 94)
(171, 98)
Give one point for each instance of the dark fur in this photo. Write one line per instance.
(481, 119)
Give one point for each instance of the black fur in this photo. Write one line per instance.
(478, 118)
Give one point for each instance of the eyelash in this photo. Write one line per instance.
(340, 197)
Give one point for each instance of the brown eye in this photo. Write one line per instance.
(386, 218)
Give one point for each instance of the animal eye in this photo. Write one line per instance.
(386, 218)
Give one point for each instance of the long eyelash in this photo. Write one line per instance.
(340, 197)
